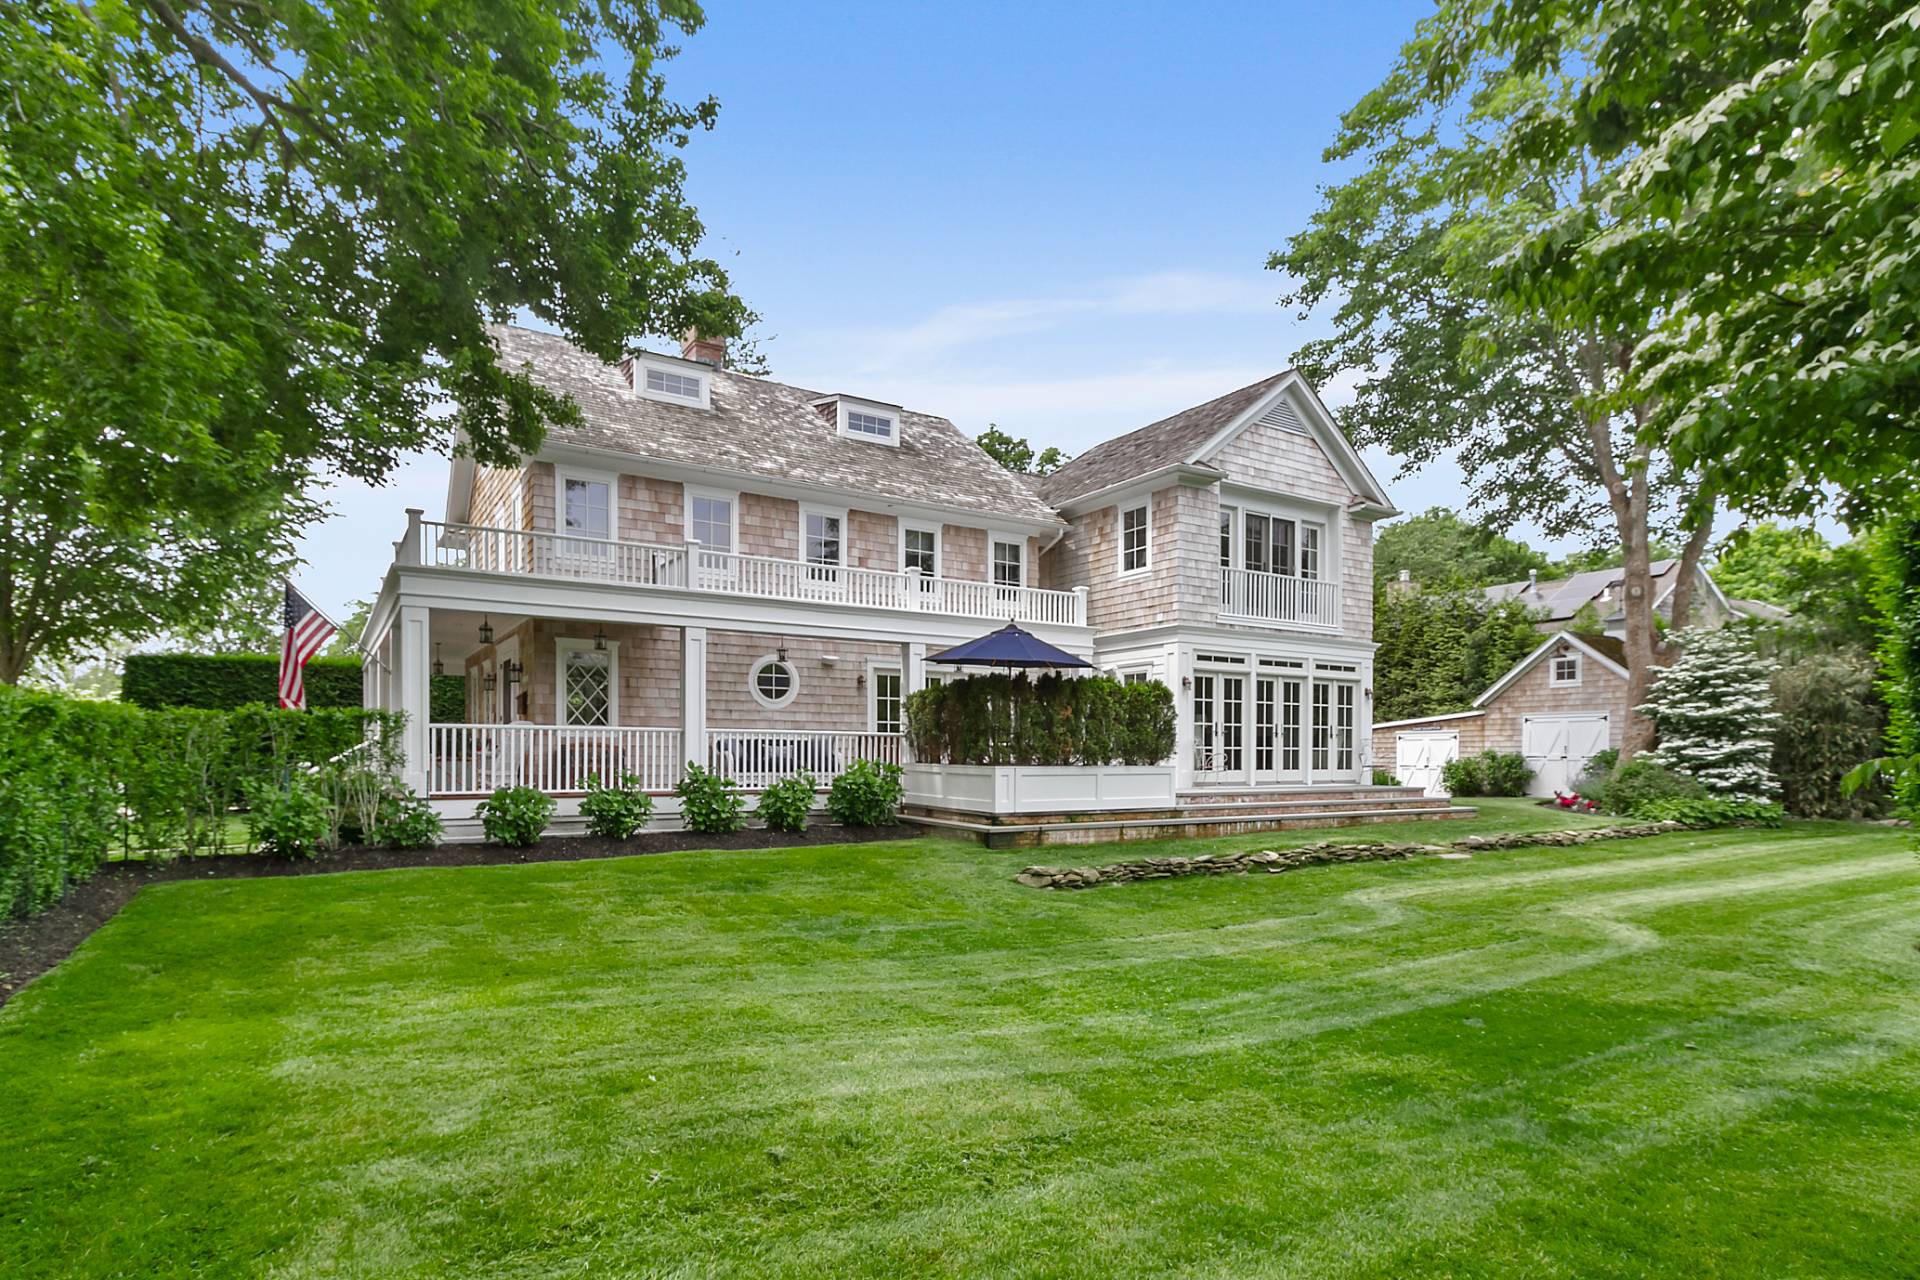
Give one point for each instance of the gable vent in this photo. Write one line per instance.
(1283, 417)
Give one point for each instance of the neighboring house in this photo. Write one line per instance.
(1564, 701)
(719, 568)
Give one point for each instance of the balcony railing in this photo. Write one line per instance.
(1279, 597)
(473, 759)
(690, 566)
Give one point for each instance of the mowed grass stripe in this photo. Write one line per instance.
(889, 1060)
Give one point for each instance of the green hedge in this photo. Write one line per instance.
(998, 719)
(223, 681)
(80, 780)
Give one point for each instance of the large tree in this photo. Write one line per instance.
(1437, 549)
(249, 243)
(1534, 400)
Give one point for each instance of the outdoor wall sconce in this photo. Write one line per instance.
(490, 682)
(1186, 682)
(860, 681)
(781, 653)
(439, 667)
(486, 630)
(512, 671)
(600, 639)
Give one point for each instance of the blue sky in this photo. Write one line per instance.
(1054, 217)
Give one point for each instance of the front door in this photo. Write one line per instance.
(1219, 728)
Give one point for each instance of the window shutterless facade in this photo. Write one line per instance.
(1133, 539)
(920, 551)
(1009, 562)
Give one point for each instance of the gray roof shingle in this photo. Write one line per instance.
(768, 429)
(1160, 444)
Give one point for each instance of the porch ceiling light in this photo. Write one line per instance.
(439, 667)
(600, 639)
(486, 630)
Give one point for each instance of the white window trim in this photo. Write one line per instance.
(689, 492)
(1018, 540)
(842, 405)
(686, 369)
(1554, 680)
(939, 550)
(846, 533)
(611, 479)
(753, 682)
(877, 667)
(1120, 537)
(574, 644)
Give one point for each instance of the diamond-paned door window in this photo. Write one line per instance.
(588, 687)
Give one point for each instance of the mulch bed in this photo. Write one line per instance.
(28, 948)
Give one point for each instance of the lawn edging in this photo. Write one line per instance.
(1322, 852)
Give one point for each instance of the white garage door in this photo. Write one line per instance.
(1418, 755)
(1558, 747)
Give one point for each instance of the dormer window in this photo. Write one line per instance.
(867, 420)
(671, 381)
(876, 425)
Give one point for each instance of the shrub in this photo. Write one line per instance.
(515, 815)
(405, 821)
(999, 719)
(288, 821)
(1464, 777)
(1830, 722)
(1381, 778)
(867, 794)
(786, 805)
(1592, 782)
(1714, 711)
(1709, 811)
(709, 803)
(1504, 773)
(618, 811)
(1642, 779)
(223, 681)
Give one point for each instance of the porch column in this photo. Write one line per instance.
(412, 675)
(913, 667)
(693, 695)
(1180, 681)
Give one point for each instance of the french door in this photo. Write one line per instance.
(1276, 729)
(1219, 728)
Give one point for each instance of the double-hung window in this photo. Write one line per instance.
(920, 552)
(1009, 562)
(586, 510)
(821, 546)
(888, 713)
(1133, 539)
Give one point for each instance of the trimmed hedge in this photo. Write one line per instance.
(999, 719)
(79, 779)
(223, 681)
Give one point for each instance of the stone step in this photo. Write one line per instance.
(1280, 795)
(1032, 835)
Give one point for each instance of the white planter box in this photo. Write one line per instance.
(1024, 789)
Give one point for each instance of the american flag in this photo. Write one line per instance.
(307, 630)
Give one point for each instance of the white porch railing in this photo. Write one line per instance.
(756, 758)
(473, 759)
(1279, 597)
(557, 555)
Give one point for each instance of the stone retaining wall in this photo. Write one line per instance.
(1320, 852)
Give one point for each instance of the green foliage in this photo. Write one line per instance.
(1640, 780)
(288, 819)
(866, 794)
(709, 803)
(1592, 782)
(1714, 711)
(1001, 719)
(786, 804)
(515, 816)
(1381, 778)
(1709, 811)
(1440, 650)
(220, 681)
(1830, 723)
(616, 811)
(405, 821)
(1491, 773)
(1895, 594)
(1441, 550)
(302, 215)
(1017, 455)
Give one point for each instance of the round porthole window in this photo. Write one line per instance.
(772, 682)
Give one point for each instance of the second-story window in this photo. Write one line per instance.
(1310, 551)
(920, 552)
(1133, 539)
(1008, 563)
(710, 522)
(822, 538)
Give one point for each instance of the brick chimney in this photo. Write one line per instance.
(711, 351)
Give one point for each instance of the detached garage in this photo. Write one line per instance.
(1558, 706)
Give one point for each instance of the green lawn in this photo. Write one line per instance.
(1697, 1055)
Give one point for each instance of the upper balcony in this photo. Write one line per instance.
(690, 566)
(1279, 599)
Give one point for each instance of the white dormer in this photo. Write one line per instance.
(670, 381)
(868, 420)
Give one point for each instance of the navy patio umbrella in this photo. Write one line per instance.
(1007, 647)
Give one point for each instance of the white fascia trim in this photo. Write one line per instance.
(1532, 660)
(460, 474)
(747, 482)
(1346, 459)
(1183, 473)
(1452, 715)
(1276, 644)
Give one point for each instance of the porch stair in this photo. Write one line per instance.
(1198, 814)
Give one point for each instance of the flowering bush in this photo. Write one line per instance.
(1714, 712)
